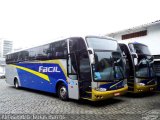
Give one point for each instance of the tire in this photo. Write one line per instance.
(3, 77)
(16, 84)
(62, 92)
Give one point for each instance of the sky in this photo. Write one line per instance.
(33, 22)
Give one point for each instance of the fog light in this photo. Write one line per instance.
(151, 88)
(141, 84)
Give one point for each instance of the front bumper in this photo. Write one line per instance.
(140, 89)
(98, 95)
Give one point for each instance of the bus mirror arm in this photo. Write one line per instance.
(135, 58)
(91, 55)
(134, 55)
(124, 56)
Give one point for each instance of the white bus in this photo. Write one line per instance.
(88, 67)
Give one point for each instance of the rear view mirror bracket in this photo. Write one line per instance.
(91, 55)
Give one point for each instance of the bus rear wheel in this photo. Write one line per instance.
(62, 92)
(16, 84)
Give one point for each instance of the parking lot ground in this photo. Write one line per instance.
(32, 102)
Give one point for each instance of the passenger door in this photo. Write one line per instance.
(79, 71)
(84, 74)
(129, 67)
(73, 83)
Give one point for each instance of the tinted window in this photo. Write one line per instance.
(42, 52)
(129, 64)
(76, 44)
(57, 49)
(102, 43)
(108, 66)
(84, 66)
(139, 49)
(14, 57)
(32, 54)
(23, 56)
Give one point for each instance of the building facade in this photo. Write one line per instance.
(148, 34)
(5, 47)
(2, 67)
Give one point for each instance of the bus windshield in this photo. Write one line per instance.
(139, 49)
(102, 44)
(106, 67)
(108, 60)
(144, 69)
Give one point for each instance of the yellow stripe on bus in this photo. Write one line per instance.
(149, 81)
(44, 76)
(115, 84)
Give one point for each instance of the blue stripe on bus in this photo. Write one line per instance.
(30, 80)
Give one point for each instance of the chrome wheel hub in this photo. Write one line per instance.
(16, 85)
(63, 92)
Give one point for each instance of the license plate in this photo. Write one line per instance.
(116, 94)
(151, 89)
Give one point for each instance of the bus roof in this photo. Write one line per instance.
(61, 40)
(128, 42)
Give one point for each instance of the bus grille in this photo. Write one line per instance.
(151, 83)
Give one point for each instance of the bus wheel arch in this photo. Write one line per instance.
(16, 83)
(62, 91)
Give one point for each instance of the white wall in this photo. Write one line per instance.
(152, 39)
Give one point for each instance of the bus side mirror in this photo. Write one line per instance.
(134, 55)
(116, 55)
(124, 56)
(135, 58)
(91, 55)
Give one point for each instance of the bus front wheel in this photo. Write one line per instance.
(16, 84)
(62, 92)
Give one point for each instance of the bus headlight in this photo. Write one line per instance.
(137, 80)
(101, 89)
(141, 84)
(125, 83)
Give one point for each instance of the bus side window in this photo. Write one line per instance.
(58, 50)
(76, 44)
(84, 66)
(15, 58)
(41, 52)
(129, 65)
(73, 68)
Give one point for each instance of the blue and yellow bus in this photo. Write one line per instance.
(139, 67)
(87, 67)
